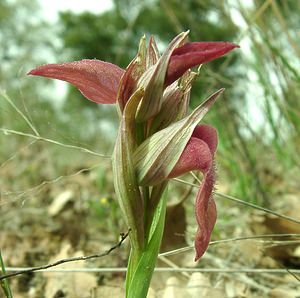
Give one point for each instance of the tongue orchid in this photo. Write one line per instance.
(158, 139)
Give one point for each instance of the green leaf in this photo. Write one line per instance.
(155, 158)
(140, 280)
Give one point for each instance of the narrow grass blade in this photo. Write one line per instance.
(4, 283)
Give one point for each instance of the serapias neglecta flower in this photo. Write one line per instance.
(158, 138)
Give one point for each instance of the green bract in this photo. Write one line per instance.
(125, 180)
(153, 98)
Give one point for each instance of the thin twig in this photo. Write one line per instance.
(19, 112)
(258, 207)
(67, 260)
(172, 265)
(285, 27)
(22, 193)
(39, 138)
(244, 203)
(224, 263)
(166, 269)
(16, 154)
(183, 249)
(258, 14)
(293, 274)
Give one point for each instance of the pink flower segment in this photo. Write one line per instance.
(106, 83)
(195, 53)
(99, 81)
(199, 155)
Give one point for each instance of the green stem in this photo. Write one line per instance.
(141, 265)
(131, 266)
(4, 283)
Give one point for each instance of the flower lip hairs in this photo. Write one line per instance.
(158, 139)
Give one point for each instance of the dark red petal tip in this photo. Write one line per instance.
(193, 54)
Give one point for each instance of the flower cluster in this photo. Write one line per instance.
(158, 138)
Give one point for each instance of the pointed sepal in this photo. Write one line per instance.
(133, 72)
(98, 81)
(193, 54)
(152, 53)
(154, 82)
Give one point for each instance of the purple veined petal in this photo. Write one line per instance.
(193, 54)
(97, 80)
(198, 155)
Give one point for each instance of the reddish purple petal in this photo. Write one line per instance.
(198, 155)
(96, 80)
(127, 84)
(208, 134)
(193, 54)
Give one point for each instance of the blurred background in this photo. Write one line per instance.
(56, 190)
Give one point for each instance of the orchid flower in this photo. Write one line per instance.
(157, 140)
